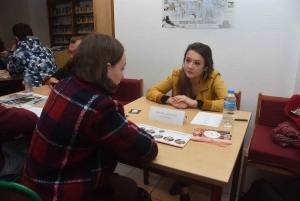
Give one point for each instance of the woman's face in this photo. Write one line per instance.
(116, 72)
(194, 65)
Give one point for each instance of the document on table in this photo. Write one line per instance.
(207, 119)
(36, 110)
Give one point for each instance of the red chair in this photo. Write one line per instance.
(129, 90)
(263, 152)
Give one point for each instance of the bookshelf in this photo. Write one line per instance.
(78, 17)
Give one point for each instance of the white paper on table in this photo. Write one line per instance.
(207, 119)
(36, 110)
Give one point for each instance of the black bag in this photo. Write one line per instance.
(263, 190)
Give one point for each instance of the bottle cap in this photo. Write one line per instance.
(231, 91)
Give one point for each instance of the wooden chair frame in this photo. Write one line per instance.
(250, 163)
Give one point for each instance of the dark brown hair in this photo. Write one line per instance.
(76, 38)
(184, 86)
(2, 48)
(22, 30)
(91, 59)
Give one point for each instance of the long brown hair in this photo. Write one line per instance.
(92, 56)
(184, 85)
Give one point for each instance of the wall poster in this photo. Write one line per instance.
(196, 14)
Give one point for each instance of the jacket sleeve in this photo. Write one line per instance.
(156, 92)
(17, 120)
(60, 74)
(220, 91)
(123, 136)
(15, 66)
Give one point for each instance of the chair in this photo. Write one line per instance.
(10, 191)
(238, 96)
(129, 90)
(262, 152)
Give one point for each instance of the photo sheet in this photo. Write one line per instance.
(170, 137)
(22, 100)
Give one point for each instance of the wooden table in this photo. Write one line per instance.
(14, 84)
(197, 163)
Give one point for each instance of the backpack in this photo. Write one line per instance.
(262, 190)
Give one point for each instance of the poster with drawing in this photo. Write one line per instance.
(195, 14)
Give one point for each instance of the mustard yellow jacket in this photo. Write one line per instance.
(212, 92)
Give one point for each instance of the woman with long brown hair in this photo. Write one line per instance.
(82, 132)
(196, 84)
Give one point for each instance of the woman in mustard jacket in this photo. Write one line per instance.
(196, 84)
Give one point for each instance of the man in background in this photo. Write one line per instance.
(31, 55)
(64, 72)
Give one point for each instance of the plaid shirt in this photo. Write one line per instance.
(77, 142)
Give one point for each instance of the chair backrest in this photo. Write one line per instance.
(15, 191)
(129, 90)
(238, 96)
(270, 110)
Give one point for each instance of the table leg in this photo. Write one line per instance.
(146, 176)
(216, 193)
(236, 174)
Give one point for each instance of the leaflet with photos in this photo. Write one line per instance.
(170, 137)
(22, 100)
(219, 138)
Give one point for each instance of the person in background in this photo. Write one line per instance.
(196, 85)
(30, 54)
(13, 146)
(74, 157)
(64, 72)
(3, 55)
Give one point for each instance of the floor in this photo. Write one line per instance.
(159, 186)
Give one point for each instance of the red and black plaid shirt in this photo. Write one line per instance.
(77, 142)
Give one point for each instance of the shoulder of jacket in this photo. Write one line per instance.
(176, 71)
(214, 74)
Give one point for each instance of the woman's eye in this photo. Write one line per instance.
(197, 63)
(187, 60)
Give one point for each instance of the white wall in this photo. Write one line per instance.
(260, 54)
(297, 81)
(31, 12)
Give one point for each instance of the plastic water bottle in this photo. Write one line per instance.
(229, 109)
(27, 81)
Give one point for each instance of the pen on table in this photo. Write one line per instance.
(240, 119)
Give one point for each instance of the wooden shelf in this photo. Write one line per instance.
(103, 17)
(87, 13)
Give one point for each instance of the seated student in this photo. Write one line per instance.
(73, 157)
(30, 54)
(196, 84)
(3, 55)
(64, 72)
(14, 121)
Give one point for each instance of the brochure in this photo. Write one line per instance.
(170, 137)
(219, 138)
(22, 100)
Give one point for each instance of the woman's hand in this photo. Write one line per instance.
(4, 54)
(186, 100)
(181, 105)
(52, 80)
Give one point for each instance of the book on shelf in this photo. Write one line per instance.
(216, 137)
(170, 137)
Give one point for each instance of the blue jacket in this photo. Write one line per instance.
(37, 59)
